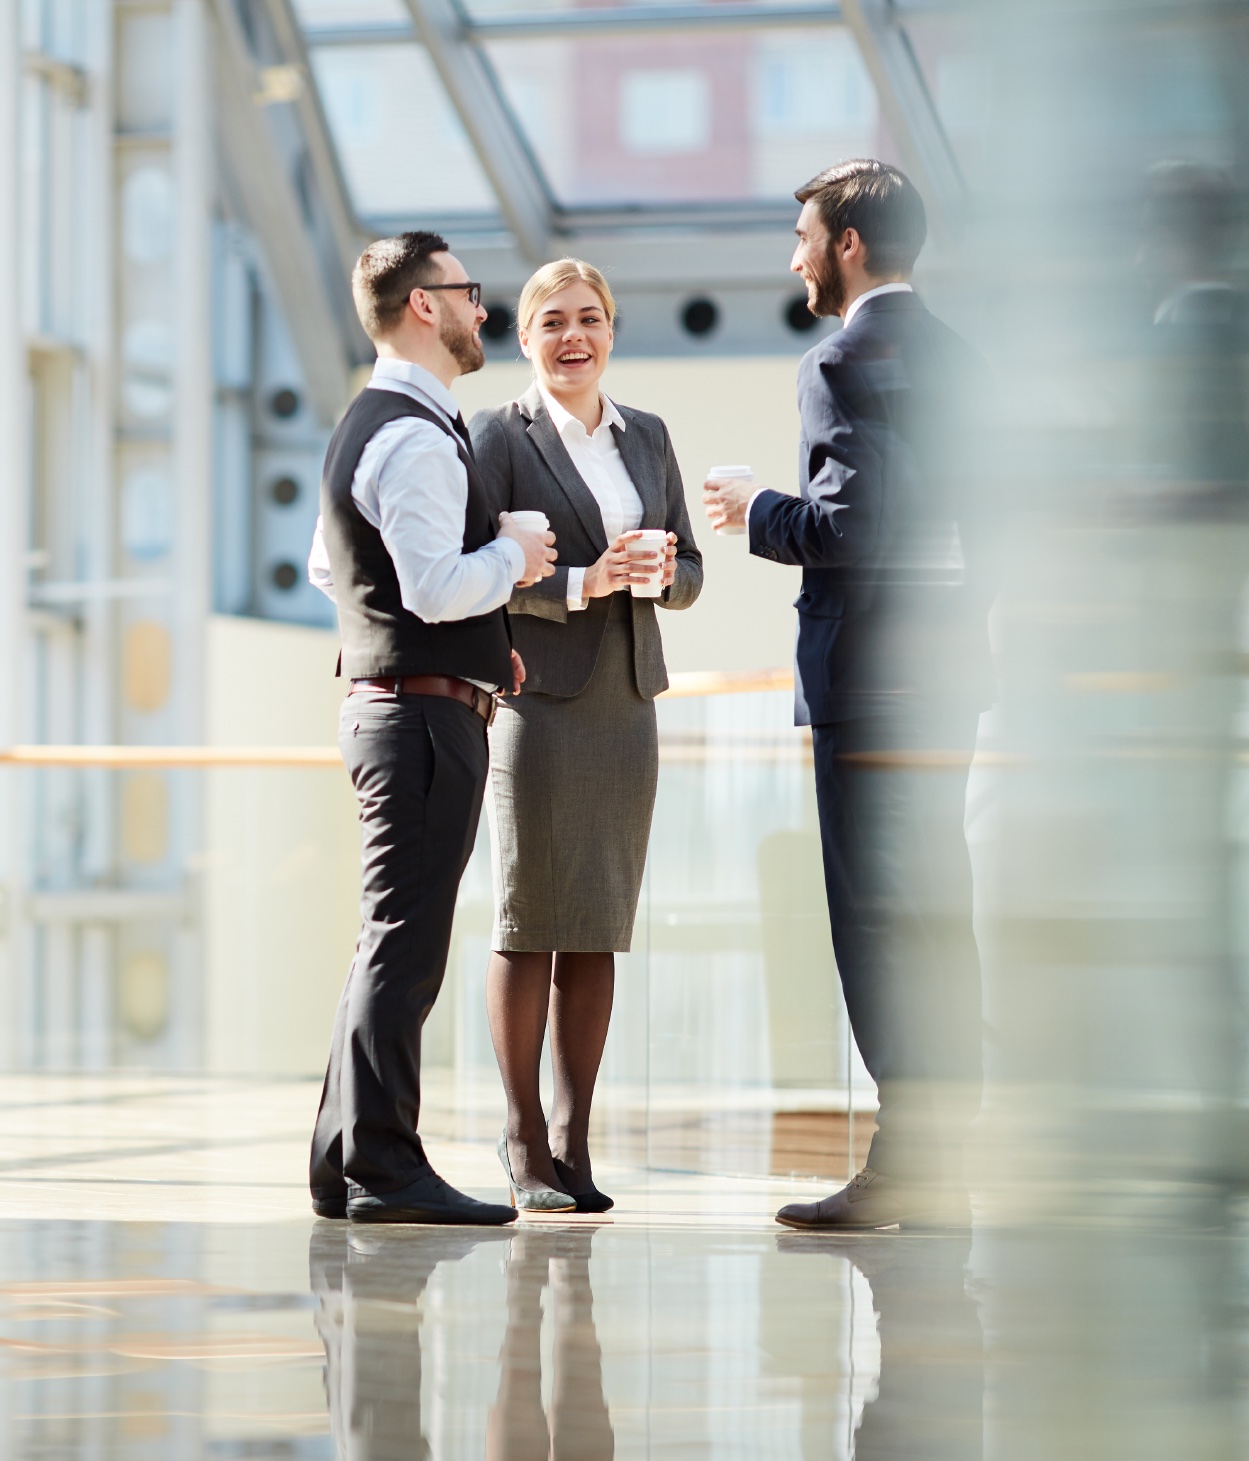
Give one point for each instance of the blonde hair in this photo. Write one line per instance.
(557, 275)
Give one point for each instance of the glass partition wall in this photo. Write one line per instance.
(729, 1049)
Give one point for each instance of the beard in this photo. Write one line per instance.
(830, 289)
(460, 345)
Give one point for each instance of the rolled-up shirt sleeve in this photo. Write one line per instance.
(421, 495)
(319, 573)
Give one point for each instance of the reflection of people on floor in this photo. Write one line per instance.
(577, 1427)
(1194, 547)
(930, 1400)
(368, 1286)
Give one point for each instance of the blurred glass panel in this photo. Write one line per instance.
(485, 9)
(1124, 87)
(729, 1048)
(401, 144)
(352, 12)
(956, 57)
(717, 116)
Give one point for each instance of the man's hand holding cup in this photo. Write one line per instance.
(531, 531)
(726, 495)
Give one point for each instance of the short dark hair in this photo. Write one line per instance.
(387, 272)
(880, 203)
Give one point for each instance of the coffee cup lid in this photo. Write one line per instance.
(729, 472)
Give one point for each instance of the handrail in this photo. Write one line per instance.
(126, 758)
(682, 685)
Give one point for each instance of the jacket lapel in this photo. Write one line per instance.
(544, 436)
(646, 469)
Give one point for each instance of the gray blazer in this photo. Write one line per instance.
(525, 466)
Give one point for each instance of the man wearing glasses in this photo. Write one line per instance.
(419, 570)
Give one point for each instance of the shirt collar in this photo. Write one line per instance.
(561, 418)
(422, 380)
(880, 289)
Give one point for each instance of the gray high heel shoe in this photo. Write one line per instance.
(533, 1199)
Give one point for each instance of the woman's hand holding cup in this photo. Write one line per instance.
(618, 569)
(530, 530)
(614, 571)
(670, 561)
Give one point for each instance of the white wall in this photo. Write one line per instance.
(281, 864)
(281, 858)
(717, 411)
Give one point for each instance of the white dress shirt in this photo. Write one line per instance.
(896, 288)
(598, 461)
(410, 484)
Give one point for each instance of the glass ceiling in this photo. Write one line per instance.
(628, 118)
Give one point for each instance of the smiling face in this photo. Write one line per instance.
(818, 264)
(569, 339)
(459, 319)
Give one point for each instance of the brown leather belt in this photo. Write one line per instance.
(454, 689)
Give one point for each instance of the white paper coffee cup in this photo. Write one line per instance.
(730, 474)
(649, 540)
(531, 522)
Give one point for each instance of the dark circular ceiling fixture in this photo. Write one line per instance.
(700, 316)
(285, 576)
(284, 491)
(498, 322)
(284, 402)
(798, 317)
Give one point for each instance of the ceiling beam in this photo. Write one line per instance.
(349, 238)
(766, 214)
(909, 110)
(473, 91)
(597, 20)
(273, 211)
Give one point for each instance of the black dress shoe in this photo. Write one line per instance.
(428, 1199)
(867, 1202)
(872, 1201)
(590, 1201)
(330, 1207)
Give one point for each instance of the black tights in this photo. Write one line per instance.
(572, 993)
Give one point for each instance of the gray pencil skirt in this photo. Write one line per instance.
(571, 793)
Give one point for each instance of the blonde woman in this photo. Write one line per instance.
(574, 758)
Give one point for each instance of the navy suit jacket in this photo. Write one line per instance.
(893, 527)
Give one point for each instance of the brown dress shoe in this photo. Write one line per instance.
(868, 1201)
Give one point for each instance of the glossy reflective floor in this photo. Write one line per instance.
(165, 1294)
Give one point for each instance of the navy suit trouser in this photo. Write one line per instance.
(898, 878)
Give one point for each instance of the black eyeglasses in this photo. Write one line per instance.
(474, 290)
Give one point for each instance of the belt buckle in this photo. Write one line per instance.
(480, 697)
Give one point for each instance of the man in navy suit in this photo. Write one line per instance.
(893, 534)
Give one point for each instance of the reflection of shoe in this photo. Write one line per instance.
(533, 1199)
(404, 1246)
(871, 1259)
(869, 1201)
(428, 1199)
(591, 1201)
(330, 1207)
(327, 1253)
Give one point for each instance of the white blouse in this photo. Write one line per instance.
(597, 459)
